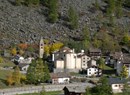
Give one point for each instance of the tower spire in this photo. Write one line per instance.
(41, 48)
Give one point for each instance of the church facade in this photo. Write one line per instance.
(67, 60)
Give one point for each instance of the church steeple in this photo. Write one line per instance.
(41, 48)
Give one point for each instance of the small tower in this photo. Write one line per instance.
(41, 48)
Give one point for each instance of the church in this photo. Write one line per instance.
(66, 60)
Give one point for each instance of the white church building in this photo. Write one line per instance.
(66, 60)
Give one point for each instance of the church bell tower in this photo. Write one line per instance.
(41, 48)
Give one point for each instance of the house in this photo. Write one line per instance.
(60, 78)
(117, 84)
(77, 90)
(67, 60)
(94, 53)
(94, 71)
(121, 60)
(17, 59)
(23, 67)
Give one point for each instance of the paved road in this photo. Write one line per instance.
(32, 89)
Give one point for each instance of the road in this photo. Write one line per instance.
(33, 89)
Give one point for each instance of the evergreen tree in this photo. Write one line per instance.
(73, 18)
(18, 2)
(53, 10)
(37, 72)
(111, 8)
(96, 4)
(45, 2)
(32, 2)
(16, 76)
(87, 91)
(86, 33)
(124, 72)
(102, 89)
(119, 4)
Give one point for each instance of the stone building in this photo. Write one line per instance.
(67, 60)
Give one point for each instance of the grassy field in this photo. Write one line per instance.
(7, 63)
(3, 75)
(47, 93)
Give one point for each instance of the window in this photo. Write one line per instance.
(89, 69)
(115, 85)
(89, 72)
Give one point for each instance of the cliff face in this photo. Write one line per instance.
(28, 24)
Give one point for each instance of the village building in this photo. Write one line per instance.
(120, 60)
(117, 84)
(23, 67)
(77, 90)
(94, 53)
(94, 71)
(67, 60)
(60, 78)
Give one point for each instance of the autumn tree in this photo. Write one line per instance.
(124, 72)
(56, 46)
(101, 63)
(16, 75)
(13, 51)
(37, 72)
(1, 59)
(9, 79)
(47, 50)
(73, 18)
(53, 10)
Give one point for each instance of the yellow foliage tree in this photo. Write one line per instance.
(1, 59)
(47, 49)
(23, 78)
(21, 52)
(9, 79)
(56, 46)
(13, 51)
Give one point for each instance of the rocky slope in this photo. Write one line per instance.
(25, 24)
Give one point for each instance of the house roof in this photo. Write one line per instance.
(76, 89)
(117, 55)
(59, 75)
(126, 59)
(116, 81)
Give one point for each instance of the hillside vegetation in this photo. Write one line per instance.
(92, 23)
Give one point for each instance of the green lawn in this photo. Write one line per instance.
(108, 68)
(47, 93)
